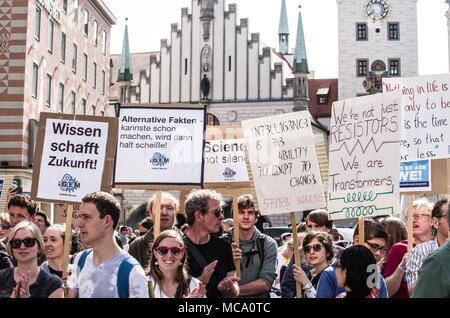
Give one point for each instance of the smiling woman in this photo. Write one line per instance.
(54, 250)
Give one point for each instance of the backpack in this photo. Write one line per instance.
(123, 275)
(259, 247)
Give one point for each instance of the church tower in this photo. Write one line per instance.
(301, 70)
(283, 30)
(125, 75)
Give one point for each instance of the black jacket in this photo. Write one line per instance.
(5, 259)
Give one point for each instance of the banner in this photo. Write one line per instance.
(415, 176)
(71, 157)
(426, 115)
(283, 162)
(160, 146)
(225, 161)
(364, 157)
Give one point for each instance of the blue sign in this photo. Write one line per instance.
(415, 176)
(68, 184)
(2, 182)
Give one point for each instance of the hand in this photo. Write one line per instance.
(237, 252)
(227, 283)
(207, 272)
(198, 292)
(22, 289)
(299, 275)
(402, 265)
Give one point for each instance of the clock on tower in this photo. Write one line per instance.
(377, 9)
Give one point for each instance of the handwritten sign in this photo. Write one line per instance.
(283, 162)
(160, 146)
(364, 157)
(415, 176)
(426, 115)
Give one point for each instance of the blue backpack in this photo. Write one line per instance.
(123, 276)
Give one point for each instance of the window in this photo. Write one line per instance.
(85, 73)
(86, 22)
(394, 31)
(229, 63)
(74, 58)
(362, 67)
(95, 39)
(212, 120)
(35, 79)
(48, 93)
(185, 66)
(394, 67)
(37, 24)
(63, 47)
(73, 98)
(83, 106)
(51, 26)
(95, 76)
(65, 6)
(322, 95)
(361, 31)
(93, 110)
(104, 42)
(61, 98)
(76, 9)
(103, 82)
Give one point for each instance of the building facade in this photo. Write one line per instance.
(377, 38)
(54, 57)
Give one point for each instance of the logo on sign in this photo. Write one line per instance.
(68, 184)
(159, 160)
(229, 173)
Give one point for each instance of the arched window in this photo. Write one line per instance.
(212, 120)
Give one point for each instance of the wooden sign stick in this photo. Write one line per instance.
(362, 235)
(236, 239)
(157, 214)
(298, 287)
(409, 207)
(67, 240)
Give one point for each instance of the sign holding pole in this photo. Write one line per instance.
(67, 240)
(236, 238)
(410, 212)
(157, 214)
(298, 287)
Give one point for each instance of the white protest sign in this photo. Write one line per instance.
(364, 157)
(70, 158)
(426, 115)
(225, 161)
(160, 146)
(284, 165)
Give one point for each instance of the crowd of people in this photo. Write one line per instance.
(198, 259)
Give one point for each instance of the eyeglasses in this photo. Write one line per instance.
(17, 243)
(375, 247)
(217, 213)
(5, 226)
(163, 250)
(420, 216)
(315, 247)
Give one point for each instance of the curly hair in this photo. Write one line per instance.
(198, 200)
(23, 201)
(324, 239)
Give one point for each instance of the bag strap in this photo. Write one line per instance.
(123, 276)
(82, 258)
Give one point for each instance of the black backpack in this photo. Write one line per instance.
(259, 248)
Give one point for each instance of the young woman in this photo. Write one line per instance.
(27, 280)
(168, 277)
(54, 250)
(318, 249)
(357, 272)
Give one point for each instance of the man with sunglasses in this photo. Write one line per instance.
(210, 258)
(104, 270)
(141, 247)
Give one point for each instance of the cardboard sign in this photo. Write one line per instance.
(415, 176)
(364, 157)
(283, 162)
(73, 157)
(426, 115)
(160, 146)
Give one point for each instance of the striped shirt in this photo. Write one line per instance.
(418, 255)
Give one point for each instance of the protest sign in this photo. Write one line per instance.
(74, 157)
(160, 147)
(283, 162)
(415, 176)
(426, 115)
(364, 174)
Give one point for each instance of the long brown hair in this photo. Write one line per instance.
(182, 277)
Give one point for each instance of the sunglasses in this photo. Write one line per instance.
(217, 213)
(163, 250)
(28, 242)
(375, 247)
(315, 247)
(5, 226)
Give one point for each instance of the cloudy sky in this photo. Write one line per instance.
(149, 21)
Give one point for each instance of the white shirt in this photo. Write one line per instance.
(101, 281)
(195, 283)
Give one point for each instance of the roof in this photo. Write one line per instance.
(104, 11)
(125, 73)
(318, 87)
(300, 59)
(284, 25)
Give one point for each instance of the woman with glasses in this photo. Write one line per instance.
(319, 252)
(357, 272)
(5, 226)
(168, 277)
(54, 249)
(27, 280)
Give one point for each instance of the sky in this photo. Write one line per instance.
(150, 20)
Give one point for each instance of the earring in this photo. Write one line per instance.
(434, 231)
(156, 263)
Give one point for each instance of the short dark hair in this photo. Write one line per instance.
(372, 229)
(437, 209)
(246, 201)
(106, 204)
(320, 217)
(198, 200)
(324, 239)
(123, 228)
(23, 201)
(45, 217)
